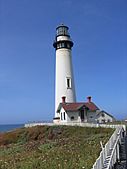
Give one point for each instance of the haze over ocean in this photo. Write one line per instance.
(9, 127)
(27, 57)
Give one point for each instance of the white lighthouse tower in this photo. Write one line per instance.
(64, 82)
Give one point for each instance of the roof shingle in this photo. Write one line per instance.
(76, 106)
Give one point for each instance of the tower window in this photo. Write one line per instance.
(68, 82)
(58, 46)
(68, 45)
(62, 45)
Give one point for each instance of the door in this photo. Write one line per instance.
(82, 115)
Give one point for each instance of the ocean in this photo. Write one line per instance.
(9, 127)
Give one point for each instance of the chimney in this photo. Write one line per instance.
(63, 99)
(89, 99)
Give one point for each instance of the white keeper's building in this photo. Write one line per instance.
(86, 112)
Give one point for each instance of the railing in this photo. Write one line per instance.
(74, 124)
(110, 153)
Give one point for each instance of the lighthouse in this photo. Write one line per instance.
(64, 78)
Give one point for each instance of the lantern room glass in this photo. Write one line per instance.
(62, 30)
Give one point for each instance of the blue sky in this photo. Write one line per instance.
(27, 57)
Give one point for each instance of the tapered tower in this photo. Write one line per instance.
(64, 80)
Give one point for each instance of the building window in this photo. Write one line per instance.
(68, 82)
(64, 116)
(103, 121)
(61, 116)
(103, 115)
(72, 117)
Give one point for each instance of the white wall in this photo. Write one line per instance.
(62, 113)
(73, 114)
(68, 116)
(106, 118)
(91, 116)
(59, 38)
(64, 70)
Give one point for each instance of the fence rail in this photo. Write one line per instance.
(110, 153)
(75, 124)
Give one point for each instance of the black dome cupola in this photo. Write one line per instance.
(62, 39)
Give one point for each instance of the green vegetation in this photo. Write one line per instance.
(52, 147)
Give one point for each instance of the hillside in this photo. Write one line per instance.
(52, 147)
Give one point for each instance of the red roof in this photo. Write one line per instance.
(76, 106)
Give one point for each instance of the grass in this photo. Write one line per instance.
(52, 147)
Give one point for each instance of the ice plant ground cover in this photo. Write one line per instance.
(52, 147)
